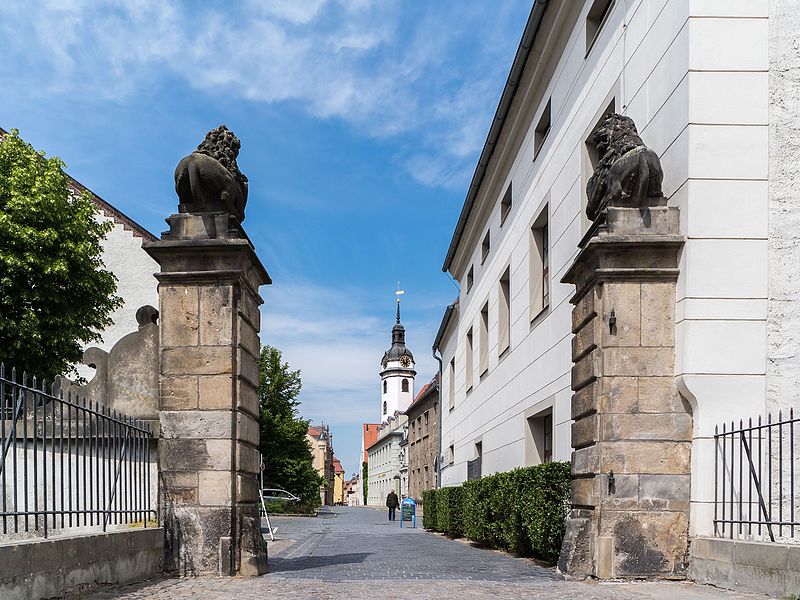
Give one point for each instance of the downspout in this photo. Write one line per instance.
(441, 410)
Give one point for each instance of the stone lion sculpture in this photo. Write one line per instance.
(209, 180)
(628, 172)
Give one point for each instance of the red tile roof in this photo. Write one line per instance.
(337, 465)
(425, 388)
(369, 435)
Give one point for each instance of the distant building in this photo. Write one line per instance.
(385, 455)
(353, 494)
(320, 441)
(338, 482)
(423, 439)
(369, 435)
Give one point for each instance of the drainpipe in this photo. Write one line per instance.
(439, 393)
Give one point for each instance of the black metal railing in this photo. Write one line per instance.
(754, 484)
(68, 463)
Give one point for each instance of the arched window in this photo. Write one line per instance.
(384, 406)
(405, 385)
(384, 386)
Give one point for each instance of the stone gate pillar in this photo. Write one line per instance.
(209, 347)
(632, 432)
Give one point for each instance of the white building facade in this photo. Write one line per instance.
(706, 84)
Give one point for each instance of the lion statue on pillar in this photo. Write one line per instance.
(628, 172)
(209, 180)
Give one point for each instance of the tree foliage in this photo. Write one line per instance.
(288, 463)
(55, 294)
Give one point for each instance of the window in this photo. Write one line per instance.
(505, 205)
(384, 386)
(404, 385)
(451, 386)
(483, 358)
(425, 428)
(539, 438)
(485, 248)
(451, 454)
(468, 363)
(541, 131)
(470, 278)
(595, 19)
(539, 266)
(504, 312)
(384, 407)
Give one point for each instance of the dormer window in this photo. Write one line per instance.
(404, 385)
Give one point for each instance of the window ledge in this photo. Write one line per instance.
(539, 316)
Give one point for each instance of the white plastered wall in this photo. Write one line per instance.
(136, 285)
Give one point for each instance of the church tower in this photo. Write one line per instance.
(397, 374)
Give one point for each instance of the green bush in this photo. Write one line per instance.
(450, 511)
(429, 510)
(544, 514)
(521, 511)
(282, 507)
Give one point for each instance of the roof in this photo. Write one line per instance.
(428, 389)
(369, 435)
(509, 91)
(106, 208)
(448, 314)
(337, 465)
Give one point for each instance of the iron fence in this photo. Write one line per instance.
(68, 463)
(754, 483)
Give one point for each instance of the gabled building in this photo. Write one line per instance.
(338, 482)
(132, 266)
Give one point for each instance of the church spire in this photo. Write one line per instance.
(398, 293)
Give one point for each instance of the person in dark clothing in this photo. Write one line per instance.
(392, 502)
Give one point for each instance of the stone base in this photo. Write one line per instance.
(198, 542)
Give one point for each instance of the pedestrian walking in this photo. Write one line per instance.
(392, 502)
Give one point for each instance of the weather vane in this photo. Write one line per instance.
(398, 293)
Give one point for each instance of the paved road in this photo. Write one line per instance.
(357, 552)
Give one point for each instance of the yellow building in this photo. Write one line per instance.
(321, 443)
(338, 482)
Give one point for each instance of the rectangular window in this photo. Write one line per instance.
(451, 454)
(451, 391)
(468, 362)
(485, 248)
(505, 205)
(542, 130)
(539, 438)
(539, 265)
(504, 313)
(470, 278)
(483, 359)
(595, 19)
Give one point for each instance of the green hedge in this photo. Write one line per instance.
(429, 509)
(521, 511)
(450, 511)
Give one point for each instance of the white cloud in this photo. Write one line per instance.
(387, 68)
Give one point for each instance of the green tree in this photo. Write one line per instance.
(365, 479)
(55, 294)
(288, 463)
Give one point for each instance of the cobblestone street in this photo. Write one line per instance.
(357, 552)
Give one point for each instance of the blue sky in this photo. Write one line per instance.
(361, 122)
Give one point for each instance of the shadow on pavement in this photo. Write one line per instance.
(283, 565)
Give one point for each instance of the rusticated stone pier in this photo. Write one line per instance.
(208, 405)
(632, 431)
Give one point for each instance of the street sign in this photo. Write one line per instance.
(408, 512)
